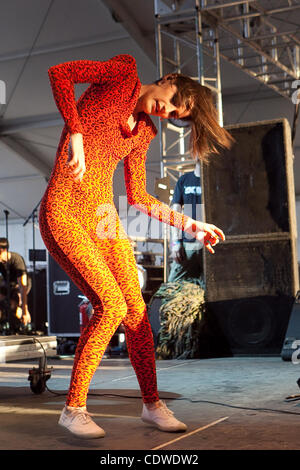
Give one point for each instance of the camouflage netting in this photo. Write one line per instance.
(181, 313)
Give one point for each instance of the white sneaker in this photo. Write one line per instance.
(163, 418)
(78, 421)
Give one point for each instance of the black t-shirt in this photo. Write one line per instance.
(187, 193)
(17, 267)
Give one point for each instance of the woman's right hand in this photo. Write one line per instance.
(76, 159)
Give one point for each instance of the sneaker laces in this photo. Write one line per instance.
(82, 414)
(165, 409)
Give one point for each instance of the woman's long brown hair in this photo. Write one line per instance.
(207, 136)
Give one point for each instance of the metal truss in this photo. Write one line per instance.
(192, 36)
(253, 35)
(256, 38)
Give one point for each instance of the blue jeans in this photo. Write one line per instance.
(190, 267)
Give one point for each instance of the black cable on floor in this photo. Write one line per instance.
(117, 395)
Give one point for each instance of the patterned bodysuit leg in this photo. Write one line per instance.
(106, 273)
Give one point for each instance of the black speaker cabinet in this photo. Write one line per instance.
(251, 325)
(38, 306)
(63, 300)
(251, 280)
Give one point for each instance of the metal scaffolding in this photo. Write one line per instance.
(193, 35)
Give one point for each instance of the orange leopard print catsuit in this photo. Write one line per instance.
(79, 222)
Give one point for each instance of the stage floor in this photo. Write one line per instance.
(227, 403)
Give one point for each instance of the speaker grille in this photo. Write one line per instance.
(251, 268)
(251, 322)
(246, 186)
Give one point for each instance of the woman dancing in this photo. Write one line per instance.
(79, 222)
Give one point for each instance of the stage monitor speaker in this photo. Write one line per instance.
(63, 300)
(292, 338)
(248, 192)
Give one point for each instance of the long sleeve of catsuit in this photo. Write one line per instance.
(135, 180)
(119, 76)
(64, 76)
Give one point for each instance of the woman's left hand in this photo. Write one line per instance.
(76, 157)
(208, 234)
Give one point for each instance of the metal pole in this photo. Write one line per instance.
(33, 274)
(199, 40)
(219, 93)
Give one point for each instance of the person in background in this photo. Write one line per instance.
(185, 251)
(14, 275)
